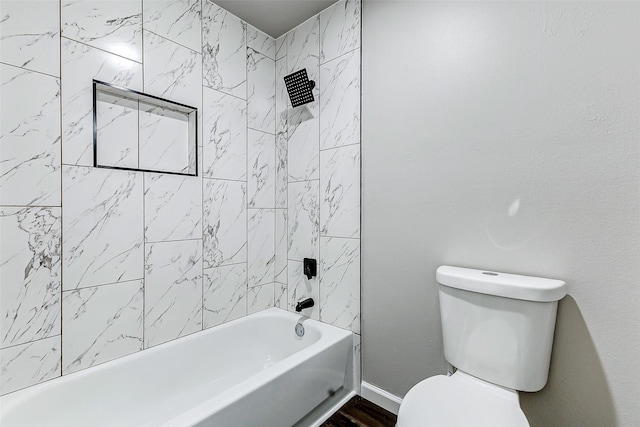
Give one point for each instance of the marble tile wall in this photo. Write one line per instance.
(96, 264)
(318, 167)
(30, 195)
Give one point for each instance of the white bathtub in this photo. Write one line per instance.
(254, 371)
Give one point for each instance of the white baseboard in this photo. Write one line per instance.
(381, 397)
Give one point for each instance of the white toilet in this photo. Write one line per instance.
(498, 332)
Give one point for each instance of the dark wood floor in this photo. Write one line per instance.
(359, 412)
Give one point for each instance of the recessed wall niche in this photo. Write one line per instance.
(136, 131)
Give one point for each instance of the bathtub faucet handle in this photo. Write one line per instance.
(310, 267)
(307, 303)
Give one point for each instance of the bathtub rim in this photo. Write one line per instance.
(329, 335)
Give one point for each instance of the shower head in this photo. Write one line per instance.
(300, 88)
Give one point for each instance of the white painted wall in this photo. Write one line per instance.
(505, 136)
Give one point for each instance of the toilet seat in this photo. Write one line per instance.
(460, 401)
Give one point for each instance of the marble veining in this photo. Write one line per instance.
(339, 29)
(225, 142)
(101, 323)
(303, 220)
(262, 170)
(282, 97)
(173, 207)
(30, 274)
(304, 142)
(282, 173)
(340, 101)
(114, 26)
(223, 50)
(282, 134)
(340, 192)
(30, 36)
(340, 282)
(300, 288)
(173, 290)
(281, 46)
(225, 294)
(261, 246)
(29, 138)
(225, 222)
(177, 20)
(80, 65)
(281, 237)
(261, 96)
(281, 296)
(260, 298)
(151, 257)
(29, 364)
(303, 48)
(172, 71)
(163, 140)
(261, 42)
(102, 226)
(117, 130)
(322, 182)
(303, 121)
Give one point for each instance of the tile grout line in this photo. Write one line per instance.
(319, 166)
(326, 236)
(25, 206)
(261, 131)
(169, 39)
(61, 188)
(30, 342)
(100, 49)
(288, 129)
(340, 55)
(224, 179)
(246, 95)
(225, 265)
(102, 285)
(285, 46)
(220, 91)
(340, 146)
(275, 180)
(172, 240)
(24, 69)
(359, 325)
(144, 181)
(144, 213)
(202, 227)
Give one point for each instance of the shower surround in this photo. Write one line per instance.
(97, 264)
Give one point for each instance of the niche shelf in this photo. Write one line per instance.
(136, 131)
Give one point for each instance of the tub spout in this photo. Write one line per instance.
(307, 303)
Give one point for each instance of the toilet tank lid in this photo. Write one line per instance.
(506, 285)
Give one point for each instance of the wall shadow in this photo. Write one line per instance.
(577, 393)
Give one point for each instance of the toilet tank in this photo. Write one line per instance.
(497, 326)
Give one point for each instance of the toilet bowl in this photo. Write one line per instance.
(497, 331)
(460, 400)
